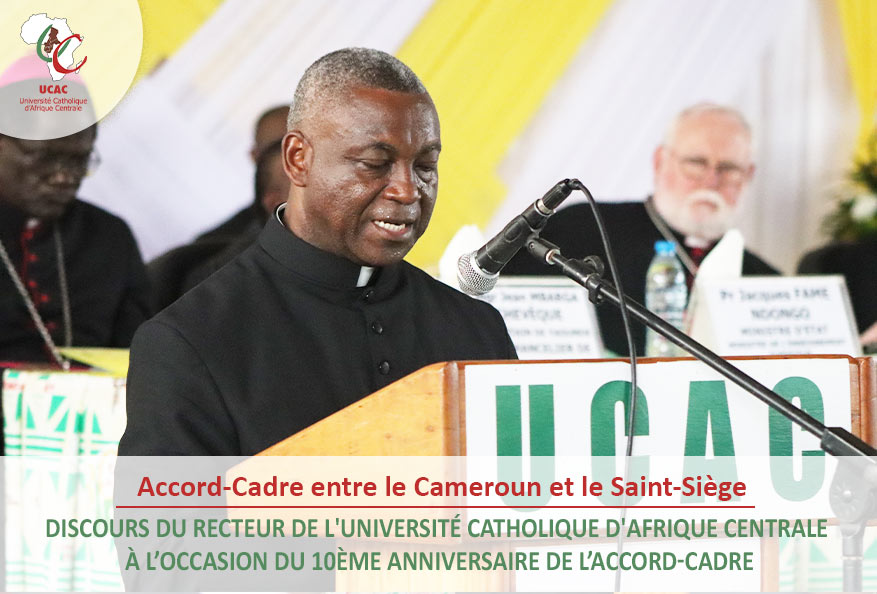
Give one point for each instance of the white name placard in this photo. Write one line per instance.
(775, 316)
(547, 317)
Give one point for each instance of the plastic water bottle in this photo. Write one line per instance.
(666, 296)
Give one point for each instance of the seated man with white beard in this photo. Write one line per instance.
(701, 170)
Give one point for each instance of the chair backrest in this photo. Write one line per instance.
(857, 263)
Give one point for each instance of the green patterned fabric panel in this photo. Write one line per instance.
(61, 433)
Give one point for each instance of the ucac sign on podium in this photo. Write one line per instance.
(684, 410)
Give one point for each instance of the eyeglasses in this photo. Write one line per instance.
(697, 168)
(44, 161)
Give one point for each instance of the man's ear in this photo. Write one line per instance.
(298, 154)
(657, 159)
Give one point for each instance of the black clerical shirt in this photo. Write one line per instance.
(281, 338)
(105, 277)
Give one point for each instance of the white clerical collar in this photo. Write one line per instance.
(365, 272)
(365, 275)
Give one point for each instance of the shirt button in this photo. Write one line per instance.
(44, 298)
(368, 294)
(32, 258)
(51, 325)
(32, 284)
(384, 367)
(377, 327)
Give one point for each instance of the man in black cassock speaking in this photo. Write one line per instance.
(322, 310)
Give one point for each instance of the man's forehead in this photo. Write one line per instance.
(712, 133)
(370, 110)
(708, 125)
(269, 129)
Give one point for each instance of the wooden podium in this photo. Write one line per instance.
(424, 414)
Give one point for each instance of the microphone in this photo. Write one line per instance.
(477, 271)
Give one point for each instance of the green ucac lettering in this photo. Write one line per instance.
(708, 404)
(782, 472)
(708, 411)
(603, 434)
(509, 448)
(603, 415)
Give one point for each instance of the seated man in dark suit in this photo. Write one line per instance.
(269, 129)
(701, 171)
(322, 310)
(179, 269)
(70, 272)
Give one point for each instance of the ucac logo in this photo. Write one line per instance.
(46, 44)
(55, 43)
(49, 87)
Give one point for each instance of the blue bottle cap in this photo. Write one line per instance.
(664, 247)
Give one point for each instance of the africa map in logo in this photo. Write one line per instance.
(55, 43)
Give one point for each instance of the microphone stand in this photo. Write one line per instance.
(853, 491)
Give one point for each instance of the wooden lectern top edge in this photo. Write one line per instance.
(648, 360)
(465, 363)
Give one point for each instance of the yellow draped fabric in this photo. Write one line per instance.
(167, 24)
(104, 360)
(488, 66)
(859, 21)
